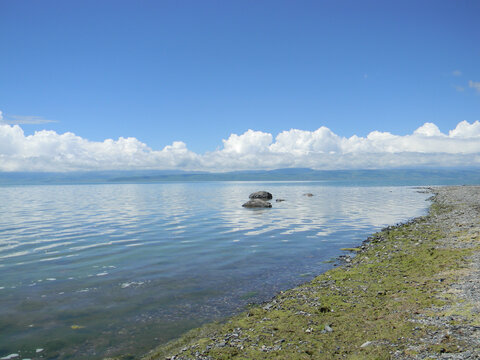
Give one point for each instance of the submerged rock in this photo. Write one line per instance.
(280, 200)
(257, 203)
(261, 195)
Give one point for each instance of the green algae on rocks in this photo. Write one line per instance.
(361, 310)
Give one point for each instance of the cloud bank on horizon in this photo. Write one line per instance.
(320, 149)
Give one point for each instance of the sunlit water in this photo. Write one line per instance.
(90, 271)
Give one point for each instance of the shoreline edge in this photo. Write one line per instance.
(411, 292)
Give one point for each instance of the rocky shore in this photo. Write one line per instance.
(410, 291)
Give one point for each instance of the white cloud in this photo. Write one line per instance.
(319, 149)
(474, 84)
(428, 129)
(249, 142)
(466, 130)
(49, 151)
(23, 120)
(301, 142)
(456, 73)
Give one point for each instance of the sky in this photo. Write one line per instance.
(236, 85)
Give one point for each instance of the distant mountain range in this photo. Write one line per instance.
(341, 177)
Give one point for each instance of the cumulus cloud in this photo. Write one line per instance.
(249, 142)
(319, 149)
(49, 151)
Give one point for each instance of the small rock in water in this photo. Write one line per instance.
(280, 200)
(11, 356)
(261, 195)
(257, 203)
(308, 194)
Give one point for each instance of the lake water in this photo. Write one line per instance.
(89, 271)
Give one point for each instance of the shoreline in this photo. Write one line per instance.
(410, 292)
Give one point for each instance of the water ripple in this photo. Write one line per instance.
(138, 262)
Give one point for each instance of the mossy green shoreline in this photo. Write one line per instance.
(365, 309)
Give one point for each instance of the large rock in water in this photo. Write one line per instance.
(257, 203)
(265, 195)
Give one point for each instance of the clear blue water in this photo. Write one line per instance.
(89, 271)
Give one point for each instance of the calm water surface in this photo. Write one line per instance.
(89, 271)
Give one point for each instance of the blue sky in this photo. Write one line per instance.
(199, 71)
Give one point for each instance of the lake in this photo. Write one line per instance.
(89, 271)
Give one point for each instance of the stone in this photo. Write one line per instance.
(308, 194)
(267, 307)
(257, 203)
(280, 200)
(265, 195)
(11, 356)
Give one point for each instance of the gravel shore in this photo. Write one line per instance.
(411, 292)
(459, 318)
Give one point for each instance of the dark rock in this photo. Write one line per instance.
(257, 203)
(261, 195)
(280, 200)
(308, 194)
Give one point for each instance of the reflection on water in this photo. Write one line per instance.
(96, 270)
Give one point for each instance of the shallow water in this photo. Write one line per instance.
(89, 271)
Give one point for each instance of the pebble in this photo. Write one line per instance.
(11, 356)
(462, 217)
